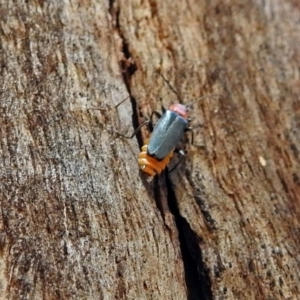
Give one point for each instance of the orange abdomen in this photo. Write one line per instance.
(149, 164)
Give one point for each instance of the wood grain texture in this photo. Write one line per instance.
(78, 220)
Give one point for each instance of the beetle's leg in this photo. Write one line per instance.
(135, 132)
(182, 155)
(192, 132)
(140, 127)
(105, 109)
(157, 114)
(122, 101)
(163, 109)
(170, 86)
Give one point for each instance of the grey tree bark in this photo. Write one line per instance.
(79, 220)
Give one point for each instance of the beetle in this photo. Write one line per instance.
(157, 151)
(159, 148)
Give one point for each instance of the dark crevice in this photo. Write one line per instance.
(111, 6)
(135, 121)
(210, 222)
(196, 273)
(127, 65)
(157, 195)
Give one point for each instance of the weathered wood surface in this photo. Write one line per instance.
(78, 220)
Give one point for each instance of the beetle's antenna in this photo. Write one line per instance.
(169, 84)
(174, 91)
(206, 96)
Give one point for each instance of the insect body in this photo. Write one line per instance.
(158, 150)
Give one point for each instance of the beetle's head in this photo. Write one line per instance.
(179, 109)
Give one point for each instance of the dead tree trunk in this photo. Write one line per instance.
(78, 220)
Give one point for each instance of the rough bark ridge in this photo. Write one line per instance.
(78, 220)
